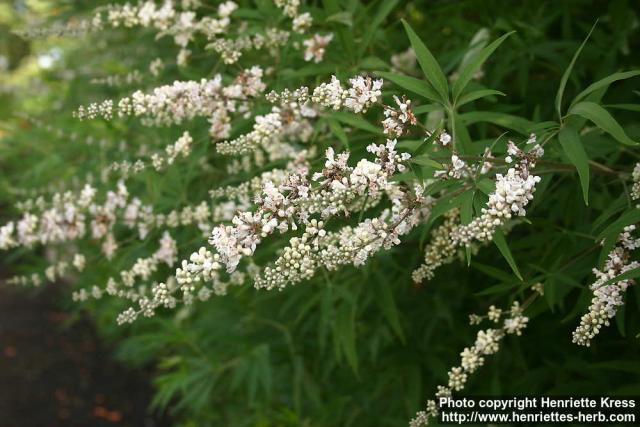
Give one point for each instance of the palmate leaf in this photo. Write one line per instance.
(601, 118)
(572, 147)
(467, 72)
(428, 63)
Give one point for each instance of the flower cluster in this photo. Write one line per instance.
(441, 248)
(134, 77)
(318, 248)
(635, 189)
(292, 203)
(185, 100)
(69, 216)
(471, 358)
(52, 273)
(607, 297)
(316, 46)
(397, 120)
(230, 50)
(362, 93)
(271, 131)
(181, 148)
(513, 192)
(182, 25)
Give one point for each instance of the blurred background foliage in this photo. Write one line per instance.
(360, 347)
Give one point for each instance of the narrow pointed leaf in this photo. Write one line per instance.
(508, 121)
(345, 328)
(501, 243)
(425, 160)
(477, 94)
(601, 118)
(469, 69)
(572, 147)
(629, 217)
(412, 84)
(387, 304)
(428, 63)
(428, 142)
(634, 273)
(466, 215)
(386, 6)
(355, 121)
(567, 73)
(337, 130)
(604, 83)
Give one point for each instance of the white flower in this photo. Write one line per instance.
(363, 93)
(608, 298)
(302, 22)
(315, 47)
(226, 8)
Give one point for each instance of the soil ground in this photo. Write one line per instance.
(53, 374)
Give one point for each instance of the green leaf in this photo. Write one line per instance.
(496, 273)
(629, 217)
(424, 160)
(427, 142)
(620, 319)
(572, 147)
(602, 119)
(567, 73)
(412, 84)
(344, 18)
(501, 243)
(629, 366)
(477, 94)
(604, 83)
(386, 6)
(337, 130)
(508, 121)
(355, 121)
(445, 204)
(373, 63)
(384, 299)
(486, 185)
(631, 274)
(428, 63)
(628, 107)
(421, 109)
(345, 330)
(466, 215)
(462, 139)
(612, 209)
(469, 69)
